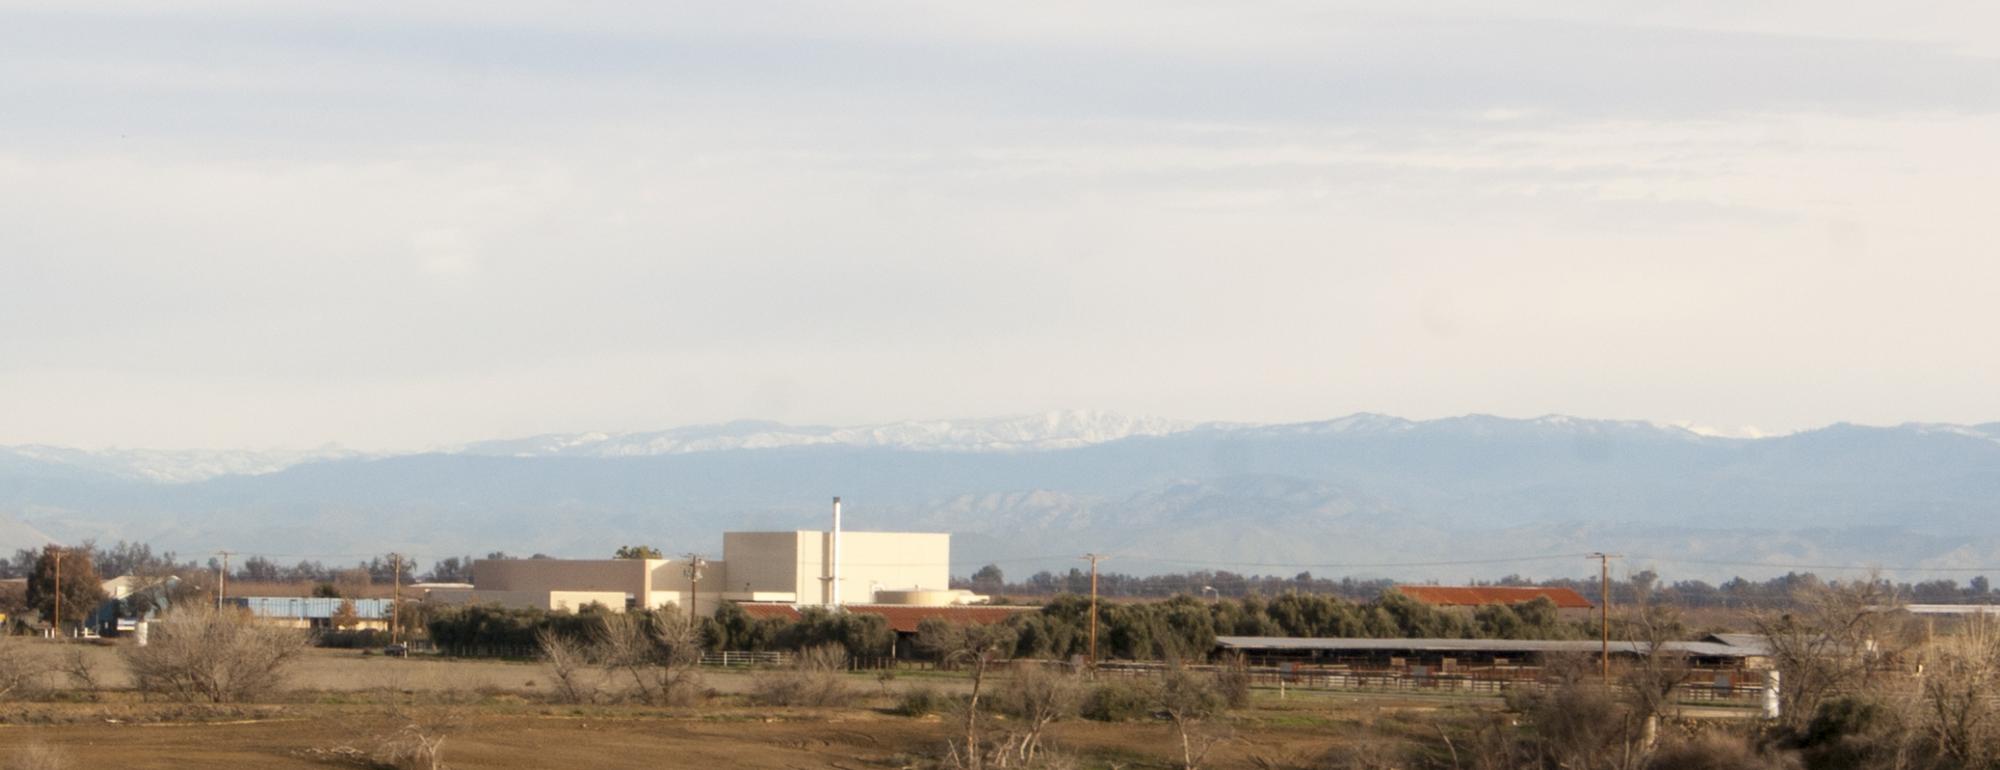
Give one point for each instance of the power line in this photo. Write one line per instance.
(1772, 565)
(1358, 565)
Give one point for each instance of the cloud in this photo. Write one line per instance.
(1281, 211)
(444, 252)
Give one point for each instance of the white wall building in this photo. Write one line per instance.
(795, 568)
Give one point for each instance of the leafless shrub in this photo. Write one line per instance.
(1859, 731)
(1576, 722)
(37, 756)
(1651, 679)
(1038, 696)
(1956, 714)
(1717, 750)
(921, 701)
(417, 745)
(201, 654)
(1232, 682)
(1190, 700)
(1366, 753)
(21, 668)
(1002, 753)
(978, 648)
(815, 679)
(659, 652)
(1834, 639)
(405, 730)
(568, 663)
(82, 673)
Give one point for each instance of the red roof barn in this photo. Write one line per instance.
(1478, 596)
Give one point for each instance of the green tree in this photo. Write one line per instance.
(989, 580)
(82, 589)
(637, 552)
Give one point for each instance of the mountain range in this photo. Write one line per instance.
(1363, 495)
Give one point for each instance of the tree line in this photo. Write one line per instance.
(1183, 627)
(1644, 585)
(123, 558)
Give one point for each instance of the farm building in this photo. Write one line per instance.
(804, 567)
(315, 612)
(1479, 596)
(1717, 654)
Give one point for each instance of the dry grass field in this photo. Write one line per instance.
(496, 714)
(509, 736)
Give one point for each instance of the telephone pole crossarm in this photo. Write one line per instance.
(695, 565)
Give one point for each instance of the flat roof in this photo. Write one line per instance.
(1953, 609)
(1697, 649)
(309, 607)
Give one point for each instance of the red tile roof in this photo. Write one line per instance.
(902, 618)
(1475, 596)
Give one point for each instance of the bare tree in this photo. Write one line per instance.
(1956, 713)
(1189, 700)
(82, 671)
(568, 662)
(1834, 638)
(1651, 678)
(202, 654)
(1038, 696)
(976, 647)
(660, 652)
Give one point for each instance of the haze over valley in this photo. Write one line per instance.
(1363, 495)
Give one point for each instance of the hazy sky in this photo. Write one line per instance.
(273, 224)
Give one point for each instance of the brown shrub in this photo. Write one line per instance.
(1717, 750)
(201, 654)
(21, 667)
(571, 676)
(815, 679)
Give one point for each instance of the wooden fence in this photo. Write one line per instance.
(1722, 691)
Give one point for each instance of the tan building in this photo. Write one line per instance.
(795, 568)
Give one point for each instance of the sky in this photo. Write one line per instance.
(237, 225)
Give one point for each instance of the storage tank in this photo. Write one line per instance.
(917, 597)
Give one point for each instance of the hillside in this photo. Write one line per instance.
(1331, 497)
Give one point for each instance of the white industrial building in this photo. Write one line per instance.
(804, 567)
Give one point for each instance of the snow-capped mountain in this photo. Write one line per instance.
(1362, 490)
(1051, 430)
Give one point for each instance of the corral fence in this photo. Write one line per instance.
(745, 659)
(1718, 689)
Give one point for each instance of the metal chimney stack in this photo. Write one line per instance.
(833, 589)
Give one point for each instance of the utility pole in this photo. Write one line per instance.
(694, 566)
(56, 625)
(1604, 613)
(1094, 558)
(395, 593)
(221, 580)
